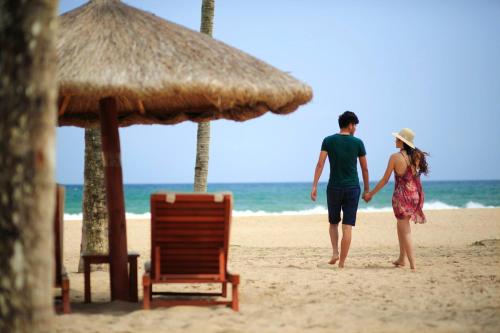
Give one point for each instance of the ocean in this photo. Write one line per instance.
(294, 198)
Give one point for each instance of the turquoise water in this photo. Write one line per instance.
(294, 198)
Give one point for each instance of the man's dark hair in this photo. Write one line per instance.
(347, 118)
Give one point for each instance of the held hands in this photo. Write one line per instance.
(367, 196)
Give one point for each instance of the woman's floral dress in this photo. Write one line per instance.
(408, 197)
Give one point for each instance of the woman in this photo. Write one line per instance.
(408, 197)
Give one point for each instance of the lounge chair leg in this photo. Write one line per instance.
(235, 303)
(146, 298)
(86, 279)
(224, 289)
(65, 296)
(133, 279)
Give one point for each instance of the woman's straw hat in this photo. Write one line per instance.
(406, 135)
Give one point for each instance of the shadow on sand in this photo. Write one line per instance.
(115, 308)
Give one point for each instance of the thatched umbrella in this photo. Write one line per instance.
(120, 66)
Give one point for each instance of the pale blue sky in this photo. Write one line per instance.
(430, 65)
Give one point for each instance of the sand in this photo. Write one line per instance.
(287, 285)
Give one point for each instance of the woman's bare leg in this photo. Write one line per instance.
(406, 237)
(334, 238)
(402, 253)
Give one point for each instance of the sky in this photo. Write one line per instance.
(431, 65)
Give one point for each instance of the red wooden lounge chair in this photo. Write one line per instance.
(189, 244)
(61, 277)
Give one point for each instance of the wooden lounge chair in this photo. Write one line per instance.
(61, 277)
(189, 244)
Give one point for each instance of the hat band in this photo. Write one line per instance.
(407, 141)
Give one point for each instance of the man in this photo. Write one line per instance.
(343, 151)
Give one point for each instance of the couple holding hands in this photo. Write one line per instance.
(343, 150)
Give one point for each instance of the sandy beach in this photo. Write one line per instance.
(287, 285)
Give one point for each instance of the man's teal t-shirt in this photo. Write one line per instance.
(343, 152)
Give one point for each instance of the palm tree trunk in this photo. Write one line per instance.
(207, 17)
(95, 214)
(27, 145)
(203, 136)
(202, 156)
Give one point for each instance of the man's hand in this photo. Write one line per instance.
(317, 173)
(314, 193)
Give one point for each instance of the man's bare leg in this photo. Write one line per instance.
(345, 244)
(334, 238)
(402, 253)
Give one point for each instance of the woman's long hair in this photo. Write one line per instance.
(417, 157)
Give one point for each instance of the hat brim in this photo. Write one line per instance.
(411, 144)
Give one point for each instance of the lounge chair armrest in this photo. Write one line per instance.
(233, 278)
(133, 253)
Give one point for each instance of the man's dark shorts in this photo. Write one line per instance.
(345, 199)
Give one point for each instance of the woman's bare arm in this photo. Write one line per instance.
(385, 178)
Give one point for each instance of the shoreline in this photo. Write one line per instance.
(309, 212)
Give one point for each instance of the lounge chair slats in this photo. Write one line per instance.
(190, 226)
(204, 213)
(174, 238)
(179, 205)
(169, 256)
(193, 278)
(190, 251)
(191, 219)
(186, 209)
(191, 232)
(184, 245)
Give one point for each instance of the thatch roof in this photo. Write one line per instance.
(161, 72)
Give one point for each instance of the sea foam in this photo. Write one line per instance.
(318, 210)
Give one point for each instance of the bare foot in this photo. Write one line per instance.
(341, 265)
(334, 259)
(398, 263)
(413, 269)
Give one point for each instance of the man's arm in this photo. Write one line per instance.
(364, 170)
(317, 173)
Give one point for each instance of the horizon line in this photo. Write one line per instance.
(292, 182)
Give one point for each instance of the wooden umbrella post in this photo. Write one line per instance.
(115, 200)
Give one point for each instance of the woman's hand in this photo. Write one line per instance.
(367, 196)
